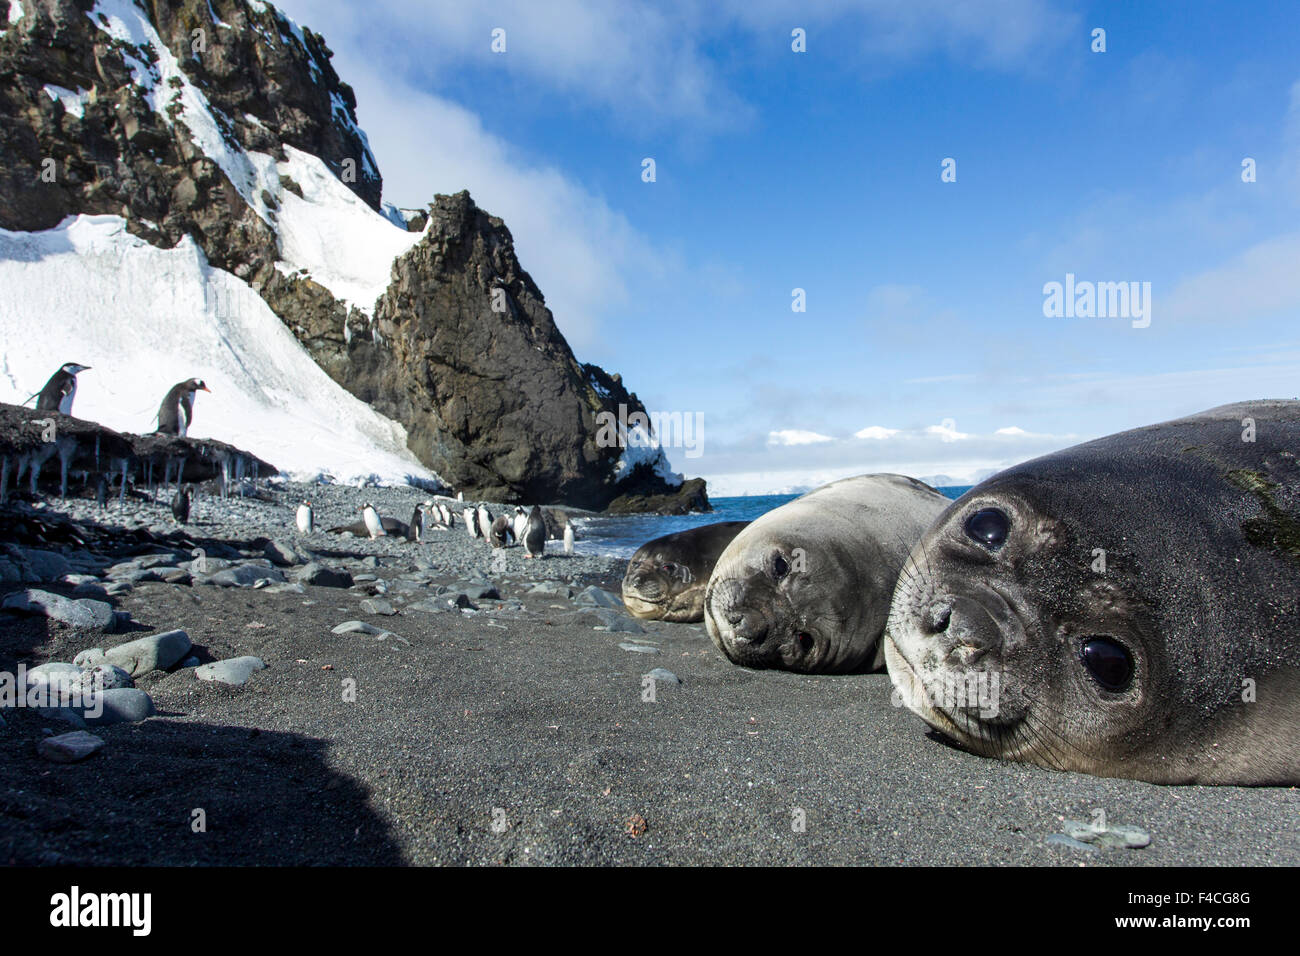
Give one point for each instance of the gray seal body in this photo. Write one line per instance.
(1128, 607)
(807, 586)
(666, 578)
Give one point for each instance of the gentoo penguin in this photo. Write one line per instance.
(446, 515)
(373, 525)
(430, 518)
(415, 530)
(521, 522)
(177, 409)
(535, 534)
(306, 518)
(502, 533)
(181, 503)
(484, 521)
(59, 391)
(568, 538)
(470, 524)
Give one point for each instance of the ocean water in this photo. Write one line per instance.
(622, 536)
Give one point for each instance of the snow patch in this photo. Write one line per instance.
(643, 448)
(342, 243)
(74, 101)
(145, 318)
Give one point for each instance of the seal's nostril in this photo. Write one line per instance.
(938, 618)
(734, 618)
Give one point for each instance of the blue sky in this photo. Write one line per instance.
(779, 170)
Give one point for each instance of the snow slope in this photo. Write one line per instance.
(145, 318)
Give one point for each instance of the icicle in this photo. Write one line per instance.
(67, 448)
(4, 481)
(121, 495)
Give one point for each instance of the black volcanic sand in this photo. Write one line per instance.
(534, 719)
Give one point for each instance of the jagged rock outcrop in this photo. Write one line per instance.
(460, 349)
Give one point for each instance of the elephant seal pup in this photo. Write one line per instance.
(806, 587)
(1128, 607)
(665, 579)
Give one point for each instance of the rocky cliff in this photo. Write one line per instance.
(208, 119)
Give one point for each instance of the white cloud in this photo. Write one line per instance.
(793, 436)
(1259, 281)
(577, 249)
(946, 431)
(656, 62)
(877, 432)
(1013, 430)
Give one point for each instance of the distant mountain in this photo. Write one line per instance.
(210, 147)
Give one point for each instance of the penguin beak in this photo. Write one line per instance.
(205, 388)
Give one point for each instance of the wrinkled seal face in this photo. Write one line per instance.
(1006, 635)
(765, 610)
(657, 587)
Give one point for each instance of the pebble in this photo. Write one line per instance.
(378, 606)
(324, 577)
(157, 652)
(244, 576)
(617, 622)
(597, 597)
(69, 748)
(1062, 840)
(82, 614)
(356, 627)
(1134, 838)
(235, 671)
(664, 676)
(639, 648)
(285, 554)
(121, 705)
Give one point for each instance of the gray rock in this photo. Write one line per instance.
(1108, 837)
(664, 676)
(82, 613)
(616, 621)
(548, 587)
(321, 576)
(55, 672)
(191, 662)
(430, 606)
(41, 566)
(639, 648)
(176, 576)
(206, 565)
(356, 627)
(378, 606)
(597, 597)
(106, 677)
(157, 652)
(286, 554)
(244, 576)
(236, 670)
(122, 705)
(477, 591)
(69, 748)
(10, 573)
(76, 580)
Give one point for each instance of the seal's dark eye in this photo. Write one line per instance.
(779, 566)
(988, 526)
(1109, 662)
